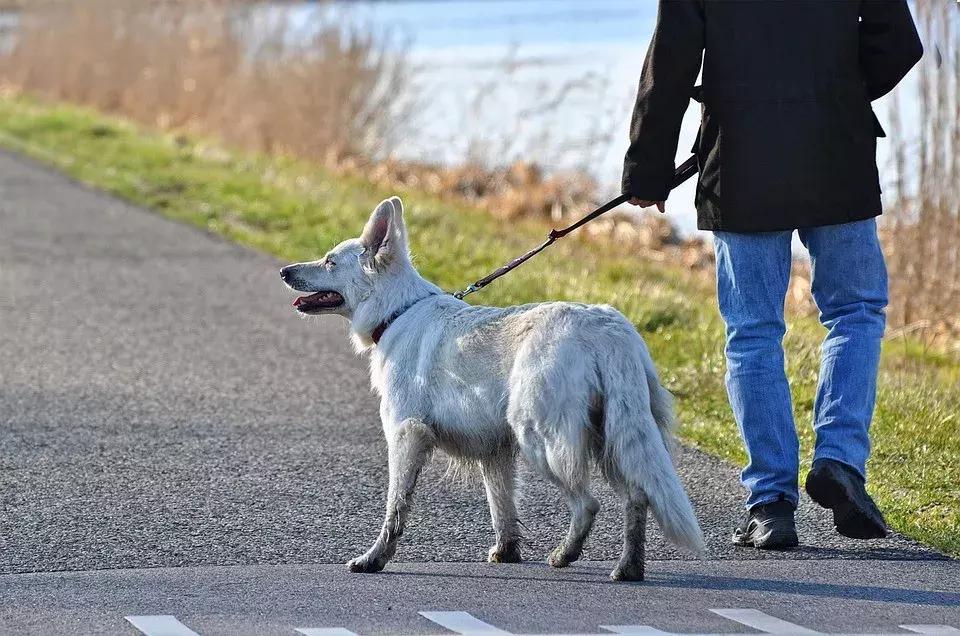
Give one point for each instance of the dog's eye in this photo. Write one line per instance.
(329, 264)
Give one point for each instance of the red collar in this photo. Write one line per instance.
(383, 326)
(378, 332)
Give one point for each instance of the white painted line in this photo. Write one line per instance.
(324, 631)
(462, 623)
(763, 622)
(931, 629)
(164, 625)
(658, 632)
(634, 630)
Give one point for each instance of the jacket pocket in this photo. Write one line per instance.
(706, 147)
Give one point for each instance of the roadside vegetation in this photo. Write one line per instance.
(297, 210)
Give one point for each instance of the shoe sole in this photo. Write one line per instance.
(849, 515)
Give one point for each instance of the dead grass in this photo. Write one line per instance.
(222, 69)
(922, 232)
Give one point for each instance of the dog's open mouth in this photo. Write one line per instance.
(320, 301)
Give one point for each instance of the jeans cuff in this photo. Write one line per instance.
(832, 456)
(794, 499)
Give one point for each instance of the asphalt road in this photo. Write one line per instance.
(162, 406)
(678, 596)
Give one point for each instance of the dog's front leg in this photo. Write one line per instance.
(499, 478)
(409, 446)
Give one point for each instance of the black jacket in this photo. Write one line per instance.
(787, 137)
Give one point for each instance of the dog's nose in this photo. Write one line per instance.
(285, 273)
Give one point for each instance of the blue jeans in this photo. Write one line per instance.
(850, 288)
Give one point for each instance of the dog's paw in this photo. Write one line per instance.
(559, 558)
(504, 554)
(366, 564)
(633, 572)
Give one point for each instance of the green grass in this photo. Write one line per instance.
(297, 211)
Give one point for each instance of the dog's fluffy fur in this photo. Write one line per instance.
(564, 385)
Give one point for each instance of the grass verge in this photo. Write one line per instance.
(296, 211)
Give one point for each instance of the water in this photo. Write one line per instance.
(550, 81)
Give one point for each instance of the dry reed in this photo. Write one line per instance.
(233, 70)
(921, 232)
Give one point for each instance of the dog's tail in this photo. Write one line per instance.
(638, 436)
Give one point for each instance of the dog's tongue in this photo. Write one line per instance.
(305, 299)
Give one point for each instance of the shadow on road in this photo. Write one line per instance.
(808, 588)
(596, 575)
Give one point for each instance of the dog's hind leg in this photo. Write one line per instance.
(568, 471)
(630, 567)
(409, 447)
(499, 478)
(583, 511)
(549, 414)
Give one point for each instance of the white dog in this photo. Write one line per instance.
(566, 385)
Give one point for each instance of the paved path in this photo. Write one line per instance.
(161, 406)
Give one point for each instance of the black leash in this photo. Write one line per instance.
(683, 172)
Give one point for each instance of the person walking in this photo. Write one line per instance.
(787, 143)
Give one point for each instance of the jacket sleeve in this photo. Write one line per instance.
(666, 85)
(889, 44)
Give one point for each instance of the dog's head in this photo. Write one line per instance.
(349, 273)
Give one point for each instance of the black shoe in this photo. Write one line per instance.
(837, 486)
(768, 527)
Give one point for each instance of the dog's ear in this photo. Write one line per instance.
(385, 237)
(398, 224)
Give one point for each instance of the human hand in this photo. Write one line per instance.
(643, 203)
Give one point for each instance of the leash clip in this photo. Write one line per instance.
(463, 292)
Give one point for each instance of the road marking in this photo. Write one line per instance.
(763, 622)
(164, 625)
(462, 623)
(465, 624)
(634, 630)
